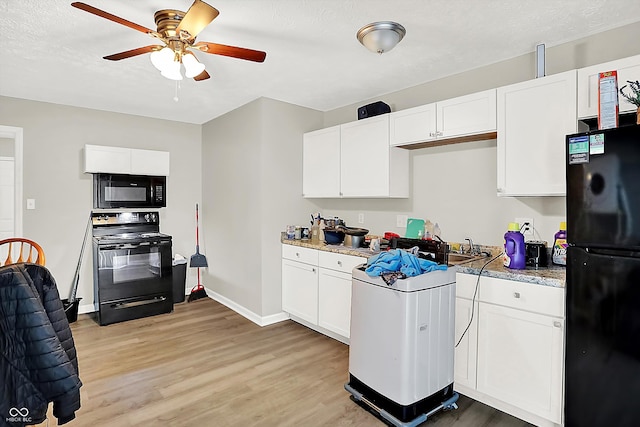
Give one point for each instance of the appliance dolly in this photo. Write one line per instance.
(448, 404)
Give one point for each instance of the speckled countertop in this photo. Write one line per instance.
(546, 276)
(362, 252)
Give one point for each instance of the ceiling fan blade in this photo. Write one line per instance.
(202, 76)
(232, 51)
(110, 17)
(133, 52)
(196, 19)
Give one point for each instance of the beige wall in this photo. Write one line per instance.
(455, 185)
(252, 187)
(54, 137)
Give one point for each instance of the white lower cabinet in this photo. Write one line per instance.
(316, 289)
(300, 282)
(464, 372)
(518, 341)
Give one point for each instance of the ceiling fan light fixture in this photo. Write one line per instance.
(192, 67)
(162, 58)
(382, 36)
(172, 71)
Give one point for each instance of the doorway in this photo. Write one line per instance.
(11, 167)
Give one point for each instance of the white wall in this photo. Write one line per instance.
(252, 188)
(54, 137)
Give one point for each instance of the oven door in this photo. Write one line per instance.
(133, 280)
(128, 191)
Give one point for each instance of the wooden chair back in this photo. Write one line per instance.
(19, 250)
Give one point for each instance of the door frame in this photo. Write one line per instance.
(16, 133)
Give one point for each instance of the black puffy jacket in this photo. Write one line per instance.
(38, 362)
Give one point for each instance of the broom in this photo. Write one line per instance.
(197, 260)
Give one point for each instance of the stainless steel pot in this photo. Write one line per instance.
(356, 241)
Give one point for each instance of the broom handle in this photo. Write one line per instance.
(197, 233)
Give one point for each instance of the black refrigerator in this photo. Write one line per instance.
(602, 357)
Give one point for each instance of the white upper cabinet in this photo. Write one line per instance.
(473, 114)
(321, 163)
(369, 167)
(533, 119)
(122, 160)
(149, 162)
(103, 159)
(413, 125)
(467, 115)
(627, 68)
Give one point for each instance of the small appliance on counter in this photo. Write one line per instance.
(536, 254)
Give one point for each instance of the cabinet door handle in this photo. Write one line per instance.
(313, 269)
(298, 254)
(557, 324)
(516, 294)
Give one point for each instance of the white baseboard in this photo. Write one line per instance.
(245, 312)
(86, 308)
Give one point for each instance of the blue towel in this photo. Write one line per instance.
(399, 260)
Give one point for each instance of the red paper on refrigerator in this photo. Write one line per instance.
(608, 100)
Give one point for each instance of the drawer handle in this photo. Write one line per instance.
(298, 254)
(340, 263)
(516, 294)
(313, 269)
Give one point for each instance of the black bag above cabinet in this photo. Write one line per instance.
(374, 109)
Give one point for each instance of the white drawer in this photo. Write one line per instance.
(523, 296)
(339, 262)
(298, 253)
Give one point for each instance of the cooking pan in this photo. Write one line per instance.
(354, 231)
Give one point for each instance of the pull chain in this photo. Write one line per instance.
(175, 98)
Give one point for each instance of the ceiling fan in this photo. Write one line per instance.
(177, 31)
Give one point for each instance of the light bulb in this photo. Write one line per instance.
(192, 67)
(172, 71)
(162, 58)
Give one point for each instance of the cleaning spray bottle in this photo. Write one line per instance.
(514, 250)
(559, 253)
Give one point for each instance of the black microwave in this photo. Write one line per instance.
(129, 191)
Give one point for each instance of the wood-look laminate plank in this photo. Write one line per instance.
(205, 365)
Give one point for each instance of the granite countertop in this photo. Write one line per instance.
(346, 250)
(546, 276)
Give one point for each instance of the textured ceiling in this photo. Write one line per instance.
(52, 52)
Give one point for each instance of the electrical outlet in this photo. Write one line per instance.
(360, 218)
(526, 226)
(401, 221)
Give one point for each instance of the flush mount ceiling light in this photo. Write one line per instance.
(380, 37)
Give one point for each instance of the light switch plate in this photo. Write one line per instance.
(360, 218)
(401, 221)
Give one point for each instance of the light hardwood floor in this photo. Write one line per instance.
(205, 365)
